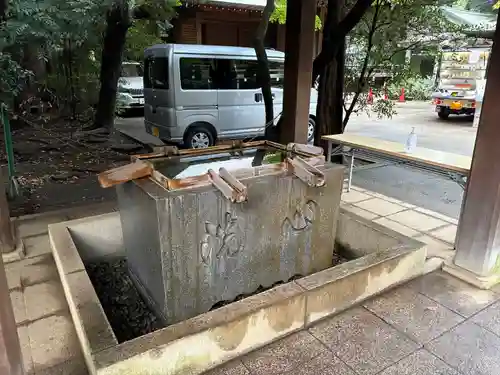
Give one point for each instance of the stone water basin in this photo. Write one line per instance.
(378, 259)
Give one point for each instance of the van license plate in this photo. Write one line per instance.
(155, 131)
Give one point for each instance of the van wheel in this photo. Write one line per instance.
(199, 137)
(311, 125)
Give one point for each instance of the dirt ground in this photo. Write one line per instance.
(57, 164)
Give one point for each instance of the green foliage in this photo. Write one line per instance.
(383, 108)
(497, 5)
(66, 37)
(416, 88)
(140, 36)
(279, 15)
(378, 44)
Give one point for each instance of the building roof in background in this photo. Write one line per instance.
(245, 4)
(248, 4)
(484, 21)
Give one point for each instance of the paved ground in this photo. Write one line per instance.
(399, 333)
(434, 325)
(419, 188)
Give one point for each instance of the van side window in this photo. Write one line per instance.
(225, 74)
(196, 74)
(242, 74)
(277, 72)
(156, 73)
(246, 74)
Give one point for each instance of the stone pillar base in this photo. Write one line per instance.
(17, 254)
(481, 282)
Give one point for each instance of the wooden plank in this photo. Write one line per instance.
(440, 159)
(125, 173)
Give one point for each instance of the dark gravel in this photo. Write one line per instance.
(127, 312)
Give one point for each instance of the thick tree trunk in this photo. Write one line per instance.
(117, 24)
(329, 111)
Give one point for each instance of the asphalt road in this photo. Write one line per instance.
(418, 187)
(405, 183)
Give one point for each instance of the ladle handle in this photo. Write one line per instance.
(306, 172)
(228, 185)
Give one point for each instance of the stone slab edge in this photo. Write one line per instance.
(211, 339)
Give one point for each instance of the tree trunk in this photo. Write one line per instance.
(117, 24)
(365, 71)
(7, 240)
(263, 75)
(329, 110)
(334, 37)
(264, 79)
(3, 9)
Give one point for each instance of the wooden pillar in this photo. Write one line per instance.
(478, 239)
(299, 46)
(10, 350)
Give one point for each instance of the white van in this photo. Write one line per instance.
(130, 93)
(196, 94)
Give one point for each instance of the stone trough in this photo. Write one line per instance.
(381, 258)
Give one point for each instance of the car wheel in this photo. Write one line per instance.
(311, 125)
(199, 137)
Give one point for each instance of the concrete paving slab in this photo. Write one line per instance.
(231, 368)
(447, 233)
(13, 276)
(284, 355)
(420, 363)
(37, 270)
(363, 341)
(417, 220)
(19, 307)
(489, 318)
(354, 196)
(24, 342)
(324, 364)
(380, 206)
(454, 294)
(71, 367)
(400, 228)
(469, 348)
(434, 243)
(44, 299)
(359, 211)
(53, 341)
(437, 215)
(36, 245)
(414, 314)
(38, 225)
